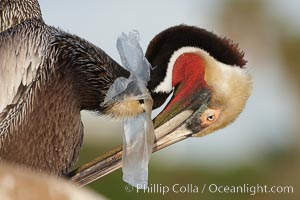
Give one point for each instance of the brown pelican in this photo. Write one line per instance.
(208, 83)
(47, 76)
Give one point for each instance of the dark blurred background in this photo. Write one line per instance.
(261, 147)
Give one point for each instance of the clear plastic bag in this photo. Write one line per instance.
(138, 137)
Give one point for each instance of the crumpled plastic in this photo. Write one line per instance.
(138, 136)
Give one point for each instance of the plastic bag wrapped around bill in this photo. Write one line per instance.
(138, 136)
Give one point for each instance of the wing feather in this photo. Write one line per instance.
(21, 52)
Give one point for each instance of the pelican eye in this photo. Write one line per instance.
(211, 118)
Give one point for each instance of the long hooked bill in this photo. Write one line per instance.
(167, 134)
